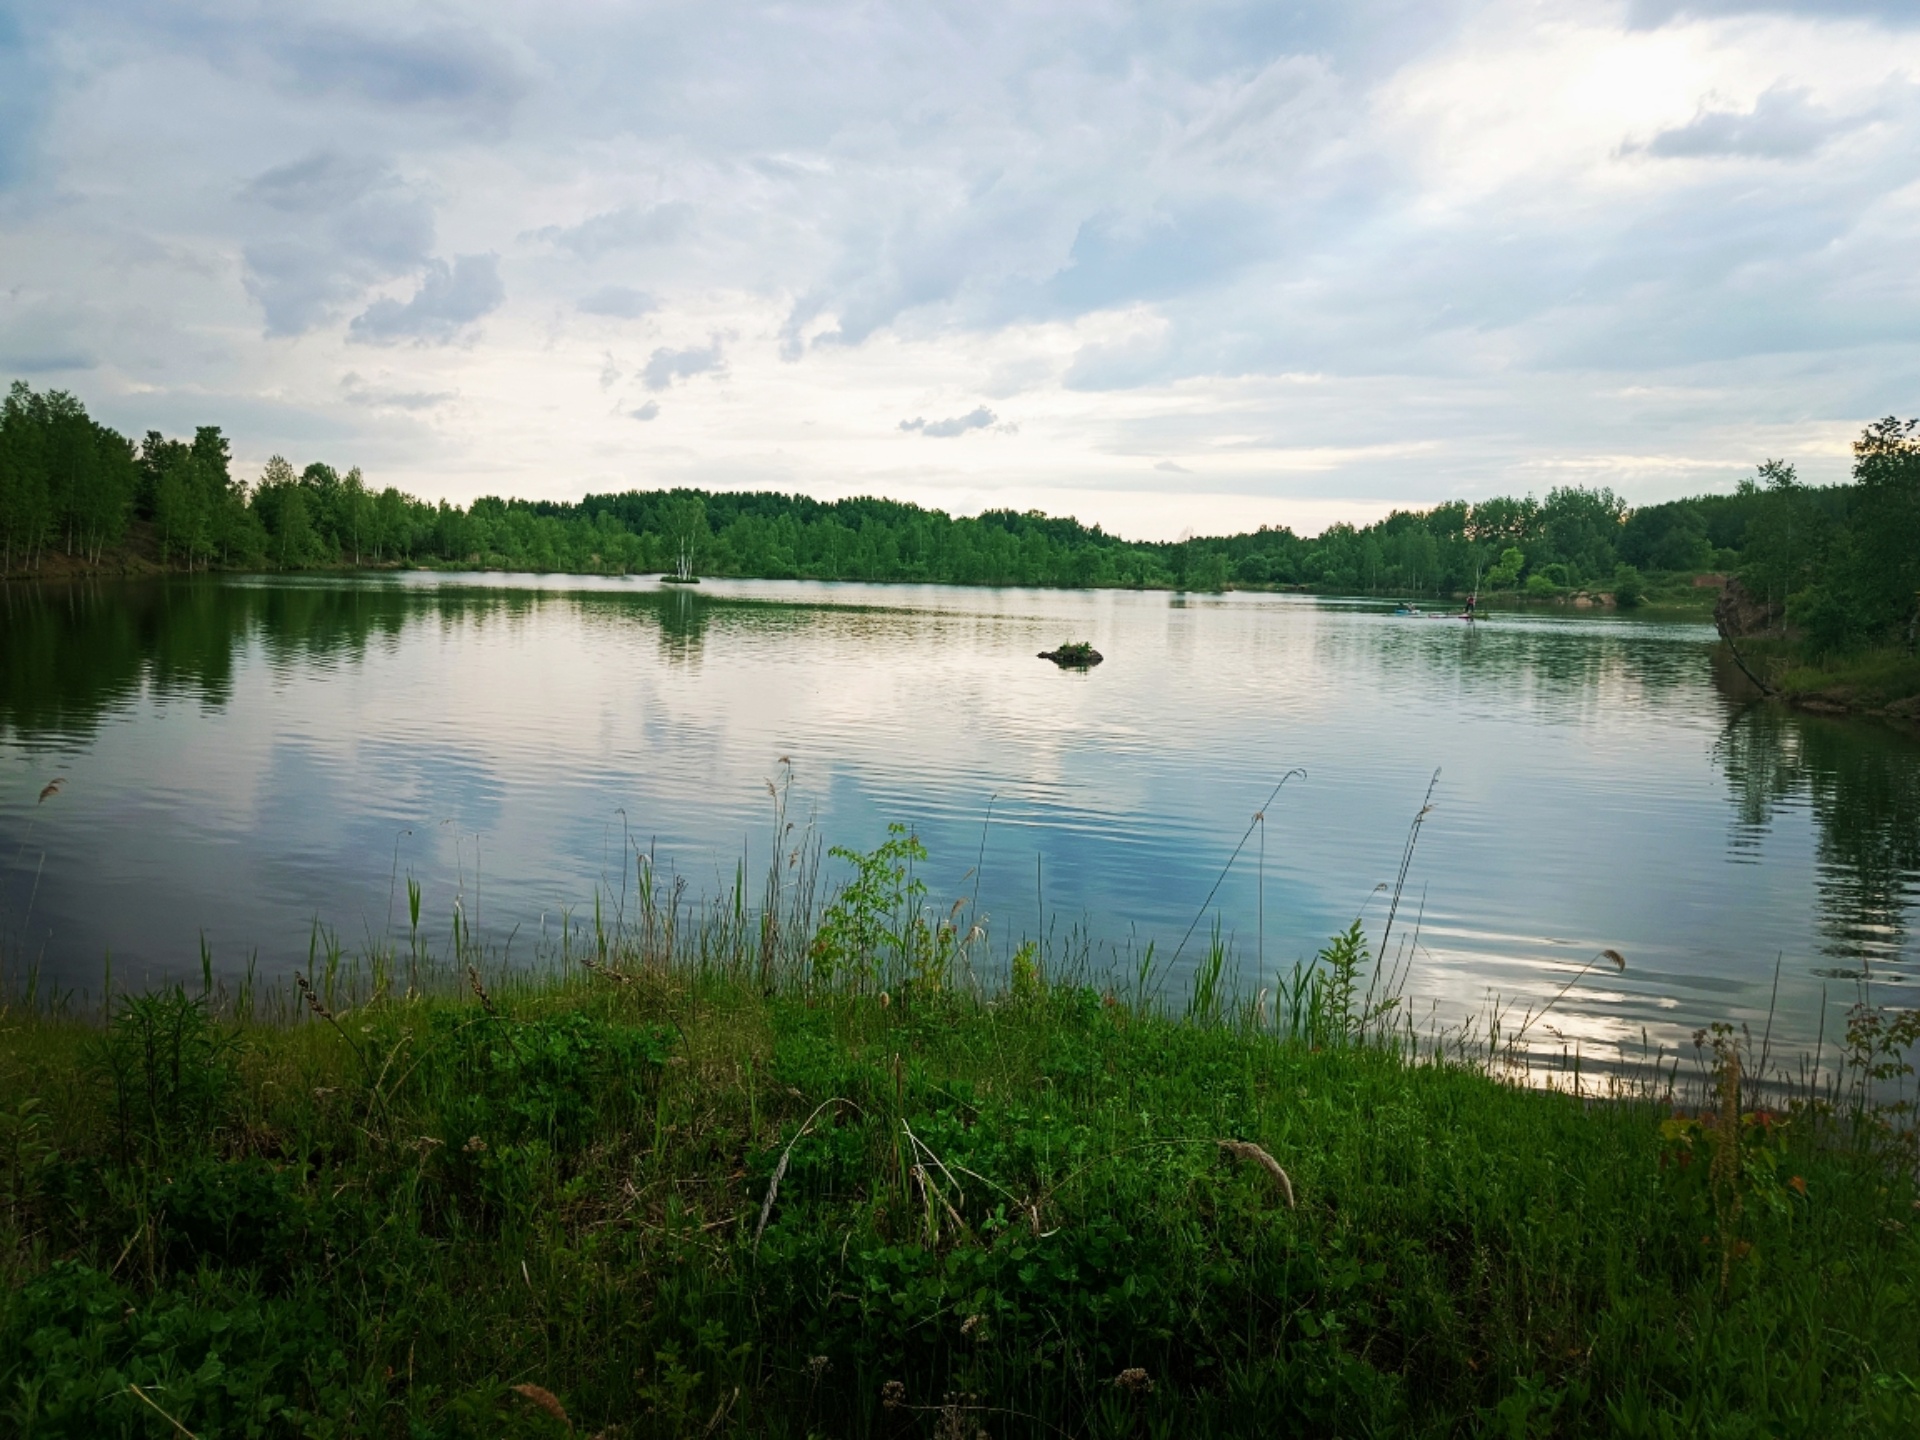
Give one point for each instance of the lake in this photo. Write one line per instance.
(240, 759)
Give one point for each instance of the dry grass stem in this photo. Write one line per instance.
(146, 1399)
(1247, 1150)
(546, 1400)
(780, 1170)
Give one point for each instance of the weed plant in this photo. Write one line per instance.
(739, 1171)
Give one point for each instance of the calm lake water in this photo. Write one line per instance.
(242, 758)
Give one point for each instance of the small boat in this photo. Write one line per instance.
(1413, 610)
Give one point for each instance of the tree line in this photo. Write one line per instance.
(1839, 566)
(1843, 555)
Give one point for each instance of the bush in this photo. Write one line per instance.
(172, 1072)
(1629, 589)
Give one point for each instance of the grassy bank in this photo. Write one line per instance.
(660, 1202)
(1884, 680)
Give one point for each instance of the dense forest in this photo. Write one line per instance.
(1841, 560)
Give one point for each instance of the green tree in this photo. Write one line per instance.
(1506, 574)
(1886, 467)
(179, 510)
(1582, 530)
(26, 509)
(1787, 538)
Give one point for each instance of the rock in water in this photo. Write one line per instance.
(1074, 657)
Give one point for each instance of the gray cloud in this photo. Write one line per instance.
(1781, 126)
(23, 97)
(449, 299)
(43, 335)
(976, 419)
(349, 223)
(27, 360)
(1894, 14)
(460, 68)
(645, 412)
(356, 391)
(324, 180)
(1173, 467)
(631, 228)
(664, 366)
(621, 302)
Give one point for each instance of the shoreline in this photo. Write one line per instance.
(1881, 685)
(1674, 599)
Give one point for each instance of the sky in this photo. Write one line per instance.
(1169, 268)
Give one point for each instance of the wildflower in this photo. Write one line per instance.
(893, 1395)
(1134, 1381)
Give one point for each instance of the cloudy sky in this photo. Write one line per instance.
(1166, 267)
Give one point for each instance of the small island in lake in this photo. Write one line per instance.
(1077, 655)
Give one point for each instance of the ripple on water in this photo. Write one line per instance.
(285, 751)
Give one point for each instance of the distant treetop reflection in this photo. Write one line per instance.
(1860, 783)
(72, 654)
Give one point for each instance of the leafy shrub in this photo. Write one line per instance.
(220, 1358)
(172, 1071)
(241, 1212)
(25, 1154)
(1322, 1003)
(556, 1080)
(876, 929)
(1628, 588)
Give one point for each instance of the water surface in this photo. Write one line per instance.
(243, 758)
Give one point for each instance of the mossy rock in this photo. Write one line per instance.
(1077, 656)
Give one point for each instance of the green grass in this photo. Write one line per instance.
(989, 1210)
